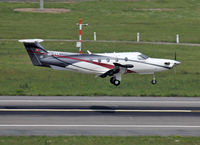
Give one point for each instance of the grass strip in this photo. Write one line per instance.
(97, 140)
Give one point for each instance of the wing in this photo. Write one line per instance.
(117, 70)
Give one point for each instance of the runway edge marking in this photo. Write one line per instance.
(110, 126)
(93, 110)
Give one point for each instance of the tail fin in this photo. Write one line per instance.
(34, 49)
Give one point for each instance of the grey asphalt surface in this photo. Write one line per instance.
(121, 116)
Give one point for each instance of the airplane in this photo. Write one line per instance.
(111, 65)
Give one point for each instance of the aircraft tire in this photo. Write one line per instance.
(116, 82)
(153, 82)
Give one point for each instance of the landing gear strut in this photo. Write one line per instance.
(154, 80)
(114, 81)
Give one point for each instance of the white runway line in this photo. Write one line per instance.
(95, 101)
(95, 110)
(107, 126)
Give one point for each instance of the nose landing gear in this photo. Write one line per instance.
(154, 80)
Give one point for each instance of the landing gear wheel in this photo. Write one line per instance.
(154, 79)
(153, 82)
(116, 82)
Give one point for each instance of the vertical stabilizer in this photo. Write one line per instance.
(34, 50)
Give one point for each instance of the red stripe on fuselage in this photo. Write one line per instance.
(104, 65)
(129, 71)
(97, 63)
(60, 56)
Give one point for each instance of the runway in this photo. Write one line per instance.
(120, 116)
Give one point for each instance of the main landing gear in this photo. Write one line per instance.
(154, 80)
(114, 81)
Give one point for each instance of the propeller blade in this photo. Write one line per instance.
(175, 55)
(175, 63)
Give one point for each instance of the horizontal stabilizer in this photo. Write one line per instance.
(31, 40)
(57, 67)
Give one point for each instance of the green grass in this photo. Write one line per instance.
(93, 140)
(112, 20)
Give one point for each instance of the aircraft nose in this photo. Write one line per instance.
(172, 62)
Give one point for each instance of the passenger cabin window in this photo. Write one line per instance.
(126, 59)
(99, 60)
(116, 59)
(108, 59)
(142, 57)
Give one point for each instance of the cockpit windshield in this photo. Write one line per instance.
(142, 57)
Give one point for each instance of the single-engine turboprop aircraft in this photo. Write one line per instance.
(100, 64)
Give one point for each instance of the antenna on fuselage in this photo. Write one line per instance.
(79, 43)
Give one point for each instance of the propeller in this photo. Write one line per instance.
(175, 55)
(175, 63)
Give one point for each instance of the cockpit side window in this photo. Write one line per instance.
(142, 57)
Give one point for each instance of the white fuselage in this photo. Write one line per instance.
(142, 64)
